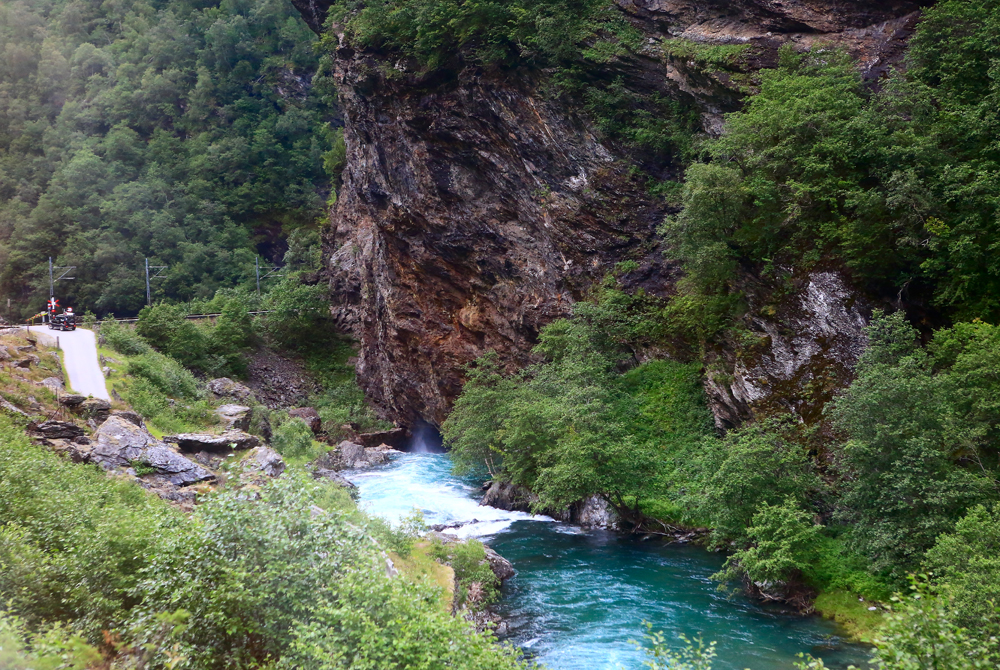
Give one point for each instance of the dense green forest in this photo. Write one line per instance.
(896, 185)
(190, 133)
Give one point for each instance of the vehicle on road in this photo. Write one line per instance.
(64, 321)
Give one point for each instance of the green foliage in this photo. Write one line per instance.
(922, 634)
(493, 33)
(967, 562)
(177, 131)
(910, 435)
(754, 467)
(56, 649)
(572, 39)
(232, 570)
(573, 427)
(72, 541)
(783, 539)
(473, 574)
(293, 439)
(900, 186)
(694, 655)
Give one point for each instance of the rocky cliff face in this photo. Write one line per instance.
(476, 208)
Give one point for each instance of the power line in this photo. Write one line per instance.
(273, 272)
(159, 269)
(52, 279)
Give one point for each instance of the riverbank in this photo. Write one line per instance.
(579, 597)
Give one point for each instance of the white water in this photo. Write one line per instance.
(423, 481)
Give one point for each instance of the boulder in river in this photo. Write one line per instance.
(593, 512)
(235, 417)
(500, 566)
(122, 446)
(356, 456)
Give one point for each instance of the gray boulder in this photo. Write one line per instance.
(130, 416)
(59, 430)
(120, 445)
(95, 408)
(26, 363)
(235, 417)
(224, 387)
(352, 453)
(4, 354)
(594, 512)
(11, 409)
(265, 461)
(73, 400)
(335, 477)
(54, 384)
(500, 566)
(224, 443)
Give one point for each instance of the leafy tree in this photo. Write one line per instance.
(904, 484)
(756, 466)
(967, 561)
(783, 542)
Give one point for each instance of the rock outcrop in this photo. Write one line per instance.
(264, 460)
(475, 208)
(123, 446)
(235, 417)
(807, 346)
(224, 387)
(228, 441)
(592, 512)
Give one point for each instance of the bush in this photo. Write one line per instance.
(755, 466)
(72, 540)
(909, 431)
(122, 339)
(293, 439)
(271, 579)
(782, 545)
(473, 573)
(967, 562)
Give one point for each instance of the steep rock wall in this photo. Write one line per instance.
(476, 208)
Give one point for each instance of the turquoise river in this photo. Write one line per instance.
(580, 598)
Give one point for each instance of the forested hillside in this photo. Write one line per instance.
(188, 132)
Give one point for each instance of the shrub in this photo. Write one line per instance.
(755, 466)
(967, 561)
(271, 579)
(293, 439)
(782, 545)
(72, 541)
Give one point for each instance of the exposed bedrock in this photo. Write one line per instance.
(477, 207)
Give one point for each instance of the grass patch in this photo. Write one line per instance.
(421, 567)
(853, 614)
(722, 55)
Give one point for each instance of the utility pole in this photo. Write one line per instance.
(273, 272)
(52, 279)
(159, 269)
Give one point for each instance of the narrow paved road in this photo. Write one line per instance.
(80, 358)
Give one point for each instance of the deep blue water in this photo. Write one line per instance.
(579, 597)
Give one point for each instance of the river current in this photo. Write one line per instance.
(580, 597)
